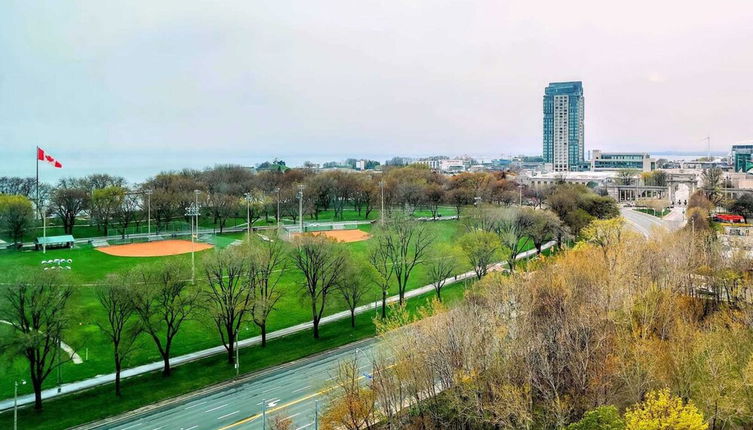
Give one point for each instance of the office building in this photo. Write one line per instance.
(563, 127)
(602, 161)
(740, 157)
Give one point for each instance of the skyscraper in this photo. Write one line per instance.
(563, 126)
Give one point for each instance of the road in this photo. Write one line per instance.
(291, 390)
(645, 223)
(182, 359)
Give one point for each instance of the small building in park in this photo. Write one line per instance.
(65, 241)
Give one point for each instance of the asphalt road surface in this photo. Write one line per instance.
(291, 390)
(645, 223)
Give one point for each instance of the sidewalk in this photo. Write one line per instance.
(175, 361)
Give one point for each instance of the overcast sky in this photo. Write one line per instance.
(253, 79)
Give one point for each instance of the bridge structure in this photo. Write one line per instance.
(679, 185)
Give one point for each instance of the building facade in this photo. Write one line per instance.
(740, 157)
(602, 161)
(563, 127)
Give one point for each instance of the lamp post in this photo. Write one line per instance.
(192, 211)
(15, 402)
(248, 198)
(237, 354)
(300, 207)
(44, 229)
(381, 212)
(149, 212)
(277, 190)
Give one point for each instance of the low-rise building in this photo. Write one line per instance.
(740, 157)
(605, 161)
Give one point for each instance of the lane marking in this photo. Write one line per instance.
(214, 409)
(191, 428)
(301, 389)
(227, 415)
(193, 406)
(129, 427)
(303, 427)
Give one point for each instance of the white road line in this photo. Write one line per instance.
(157, 428)
(191, 428)
(301, 389)
(227, 415)
(293, 416)
(130, 427)
(303, 427)
(214, 409)
(193, 406)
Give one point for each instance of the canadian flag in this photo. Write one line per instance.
(41, 156)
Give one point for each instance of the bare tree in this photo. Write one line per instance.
(380, 261)
(36, 309)
(229, 297)
(352, 406)
(353, 287)
(129, 212)
(441, 265)
(164, 301)
(69, 202)
(404, 243)
(321, 262)
(122, 327)
(266, 265)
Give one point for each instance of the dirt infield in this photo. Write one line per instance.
(342, 235)
(153, 249)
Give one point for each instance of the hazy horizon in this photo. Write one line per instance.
(170, 84)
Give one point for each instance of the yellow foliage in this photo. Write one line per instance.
(663, 411)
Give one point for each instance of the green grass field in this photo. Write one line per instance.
(77, 409)
(91, 266)
(654, 213)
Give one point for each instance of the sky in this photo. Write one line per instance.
(141, 86)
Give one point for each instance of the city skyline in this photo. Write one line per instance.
(277, 81)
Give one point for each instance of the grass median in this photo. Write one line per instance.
(99, 403)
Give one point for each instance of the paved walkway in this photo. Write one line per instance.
(175, 361)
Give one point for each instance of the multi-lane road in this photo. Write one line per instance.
(293, 390)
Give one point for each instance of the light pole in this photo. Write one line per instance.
(237, 354)
(248, 197)
(44, 229)
(277, 190)
(15, 402)
(381, 212)
(316, 414)
(192, 212)
(264, 414)
(300, 207)
(149, 212)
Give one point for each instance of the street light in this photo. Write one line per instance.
(192, 211)
(381, 213)
(300, 207)
(149, 212)
(15, 402)
(248, 197)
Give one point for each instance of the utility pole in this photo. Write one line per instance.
(300, 207)
(264, 414)
(316, 414)
(381, 212)
(44, 229)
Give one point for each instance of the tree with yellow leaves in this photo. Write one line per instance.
(663, 411)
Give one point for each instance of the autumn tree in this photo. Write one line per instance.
(352, 406)
(662, 410)
(322, 264)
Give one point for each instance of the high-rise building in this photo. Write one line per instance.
(563, 127)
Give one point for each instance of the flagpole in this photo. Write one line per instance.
(36, 157)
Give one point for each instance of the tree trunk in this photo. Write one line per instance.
(384, 304)
(353, 318)
(263, 328)
(37, 394)
(316, 328)
(166, 367)
(117, 377)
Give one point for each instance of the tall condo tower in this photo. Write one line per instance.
(563, 126)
